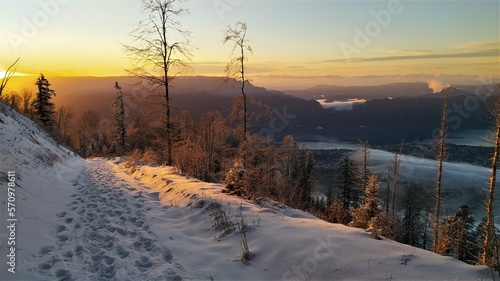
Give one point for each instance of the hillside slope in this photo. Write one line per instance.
(103, 219)
(41, 169)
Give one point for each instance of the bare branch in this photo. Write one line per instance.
(152, 54)
(8, 74)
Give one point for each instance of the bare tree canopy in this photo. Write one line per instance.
(7, 75)
(159, 49)
(237, 35)
(236, 67)
(158, 43)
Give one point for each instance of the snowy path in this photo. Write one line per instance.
(104, 233)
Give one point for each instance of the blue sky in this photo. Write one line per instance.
(295, 43)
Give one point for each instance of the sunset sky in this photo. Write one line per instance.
(296, 44)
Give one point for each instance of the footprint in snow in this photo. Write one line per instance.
(144, 263)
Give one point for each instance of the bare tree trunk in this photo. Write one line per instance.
(154, 56)
(486, 258)
(397, 161)
(243, 94)
(440, 157)
(8, 74)
(168, 125)
(365, 161)
(236, 66)
(388, 201)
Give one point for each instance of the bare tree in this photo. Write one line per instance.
(157, 54)
(27, 102)
(440, 155)
(63, 118)
(89, 133)
(365, 152)
(12, 99)
(236, 68)
(397, 162)
(7, 75)
(489, 232)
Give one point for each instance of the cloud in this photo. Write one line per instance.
(478, 46)
(471, 54)
(340, 105)
(405, 52)
(466, 50)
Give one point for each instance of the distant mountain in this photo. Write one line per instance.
(412, 111)
(387, 120)
(451, 91)
(195, 94)
(393, 90)
(332, 92)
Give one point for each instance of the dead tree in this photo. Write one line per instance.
(397, 162)
(156, 55)
(236, 67)
(440, 155)
(494, 107)
(7, 75)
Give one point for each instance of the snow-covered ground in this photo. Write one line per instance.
(100, 219)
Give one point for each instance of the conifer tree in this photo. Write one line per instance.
(371, 207)
(457, 236)
(306, 181)
(414, 204)
(348, 180)
(43, 106)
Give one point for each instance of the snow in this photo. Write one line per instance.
(103, 219)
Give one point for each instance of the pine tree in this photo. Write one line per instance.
(119, 132)
(413, 226)
(307, 167)
(372, 196)
(43, 106)
(458, 239)
(348, 180)
(371, 207)
(480, 234)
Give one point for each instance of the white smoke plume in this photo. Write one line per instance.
(437, 86)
